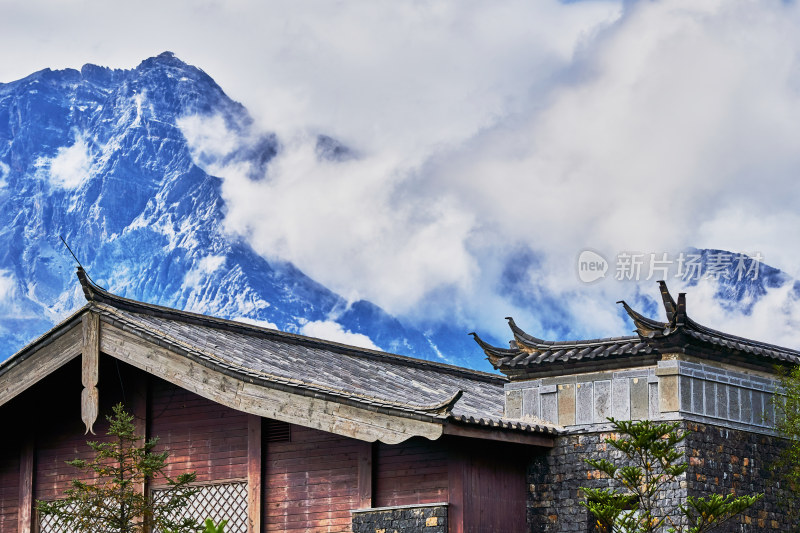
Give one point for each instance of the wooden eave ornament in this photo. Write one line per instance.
(90, 359)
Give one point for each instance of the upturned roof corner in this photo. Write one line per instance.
(530, 355)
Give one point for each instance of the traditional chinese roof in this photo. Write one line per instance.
(679, 334)
(246, 362)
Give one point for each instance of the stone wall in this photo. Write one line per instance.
(726, 460)
(554, 482)
(720, 460)
(426, 518)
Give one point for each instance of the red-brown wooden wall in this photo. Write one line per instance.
(412, 472)
(309, 483)
(491, 478)
(201, 436)
(9, 487)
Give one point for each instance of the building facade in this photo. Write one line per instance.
(294, 434)
(719, 388)
(285, 433)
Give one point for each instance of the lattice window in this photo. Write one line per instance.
(50, 524)
(220, 501)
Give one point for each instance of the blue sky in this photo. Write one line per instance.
(486, 132)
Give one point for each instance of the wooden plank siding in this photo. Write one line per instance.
(492, 478)
(309, 480)
(9, 486)
(201, 436)
(411, 472)
(311, 483)
(60, 433)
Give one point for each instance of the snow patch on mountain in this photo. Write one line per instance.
(8, 288)
(201, 270)
(4, 169)
(71, 166)
(326, 329)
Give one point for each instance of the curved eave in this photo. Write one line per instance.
(525, 339)
(732, 342)
(494, 354)
(619, 347)
(436, 410)
(647, 328)
(602, 364)
(93, 293)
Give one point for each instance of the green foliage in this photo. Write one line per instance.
(113, 501)
(211, 528)
(787, 421)
(704, 514)
(651, 463)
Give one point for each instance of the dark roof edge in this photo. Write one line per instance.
(285, 384)
(741, 340)
(93, 293)
(435, 413)
(43, 340)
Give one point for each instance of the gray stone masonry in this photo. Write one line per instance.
(430, 518)
(725, 460)
(555, 478)
(721, 460)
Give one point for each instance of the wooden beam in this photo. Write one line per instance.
(533, 439)
(47, 359)
(26, 512)
(254, 466)
(90, 369)
(456, 471)
(365, 475)
(326, 415)
(139, 408)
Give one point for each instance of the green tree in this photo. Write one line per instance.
(113, 501)
(786, 469)
(651, 462)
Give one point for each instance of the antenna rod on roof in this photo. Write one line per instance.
(76, 260)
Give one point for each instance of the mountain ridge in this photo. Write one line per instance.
(100, 157)
(146, 220)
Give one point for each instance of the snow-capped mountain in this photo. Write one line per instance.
(97, 156)
(100, 157)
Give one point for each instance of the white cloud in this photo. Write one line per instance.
(201, 270)
(260, 323)
(775, 317)
(335, 332)
(71, 165)
(7, 285)
(482, 128)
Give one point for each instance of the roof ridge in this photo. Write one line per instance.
(94, 293)
(729, 336)
(431, 409)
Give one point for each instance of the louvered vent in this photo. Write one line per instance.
(277, 431)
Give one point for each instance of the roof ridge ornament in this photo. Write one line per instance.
(88, 287)
(446, 407)
(525, 338)
(680, 319)
(666, 297)
(647, 328)
(493, 353)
